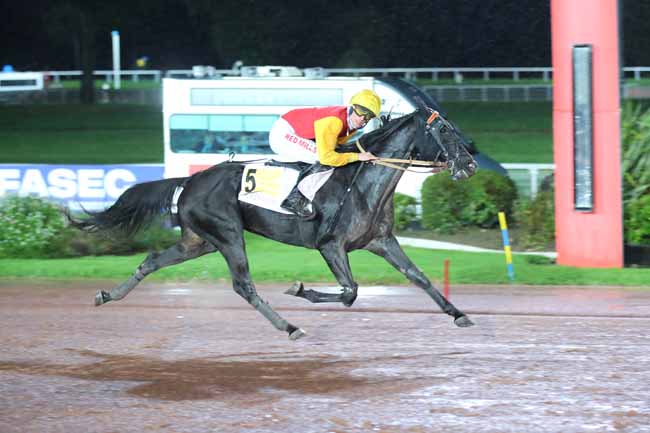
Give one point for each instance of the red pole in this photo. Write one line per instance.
(446, 286)
(593, 238)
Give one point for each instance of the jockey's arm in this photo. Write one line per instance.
(327, 132)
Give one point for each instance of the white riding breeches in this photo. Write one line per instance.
(284, 141)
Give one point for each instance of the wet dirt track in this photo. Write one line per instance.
(195, 358)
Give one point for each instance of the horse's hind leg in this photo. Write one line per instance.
(337, 260)
(189, 247)
(389, 249)
(225, 230)
(235, 254)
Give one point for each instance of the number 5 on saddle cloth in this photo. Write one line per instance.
(267, 184)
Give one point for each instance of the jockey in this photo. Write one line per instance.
(311, 135)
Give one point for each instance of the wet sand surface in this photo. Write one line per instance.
(194, 357)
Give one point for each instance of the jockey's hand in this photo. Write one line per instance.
(366, 156)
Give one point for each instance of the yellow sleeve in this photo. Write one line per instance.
(327, 132)
(344, 139)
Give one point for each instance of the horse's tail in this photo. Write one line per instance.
(135, 209)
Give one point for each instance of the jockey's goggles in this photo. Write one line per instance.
(362, 112)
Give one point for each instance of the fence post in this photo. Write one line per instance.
(506, 245)
(533, 182)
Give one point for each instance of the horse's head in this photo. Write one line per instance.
(415, 139)
(444, 143)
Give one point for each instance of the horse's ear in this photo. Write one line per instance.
(384, 119)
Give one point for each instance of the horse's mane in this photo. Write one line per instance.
(371, 138)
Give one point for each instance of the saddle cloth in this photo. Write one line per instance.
(267, 186)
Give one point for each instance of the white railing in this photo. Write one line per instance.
(135, 74)
(15, 81)
(490, 92)
(528, 177)
(458, 74)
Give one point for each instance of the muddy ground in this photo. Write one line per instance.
(194, 357)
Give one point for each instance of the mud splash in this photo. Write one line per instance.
(210, 378)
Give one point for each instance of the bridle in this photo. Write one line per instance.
(440, 126)
(395, 163)
(429, 129)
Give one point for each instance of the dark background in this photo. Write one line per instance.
(68, 34)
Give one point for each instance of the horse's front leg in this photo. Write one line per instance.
(337, 260)
(390, 249)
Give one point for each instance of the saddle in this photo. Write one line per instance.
(266, 184)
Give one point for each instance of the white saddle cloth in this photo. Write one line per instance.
(268, 186)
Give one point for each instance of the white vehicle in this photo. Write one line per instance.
(206, 121)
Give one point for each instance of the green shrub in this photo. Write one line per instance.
(488, 193)
(443, 200)
(637, 221)
(404, 210)
(29, 227)
(537, 221)
(539, 260)
(635, 141)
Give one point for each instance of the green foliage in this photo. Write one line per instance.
(443, 200)
(637, 221)
(539, 260)
(537, 221)
(488, 193)
(34, 228)
(404, 210)
(448, 205)
(635, 140)
(29, 227)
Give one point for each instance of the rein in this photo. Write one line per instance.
(393, 162)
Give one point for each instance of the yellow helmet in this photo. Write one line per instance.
(367, 99)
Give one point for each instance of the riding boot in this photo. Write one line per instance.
(299, 204)
(296, 202)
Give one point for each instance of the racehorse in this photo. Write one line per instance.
(355, 211)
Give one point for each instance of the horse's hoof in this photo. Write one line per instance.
(101, 298)
(349, 303)
(463, 322)
(348, 297)
(296, 289)
(296, 334)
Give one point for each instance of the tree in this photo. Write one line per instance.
(74, 20)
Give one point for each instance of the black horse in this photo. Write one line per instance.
(355, 211)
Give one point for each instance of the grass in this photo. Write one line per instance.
(96, 134)
(508, 131)
(103, 134)
(477, 236)
(268, 263)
